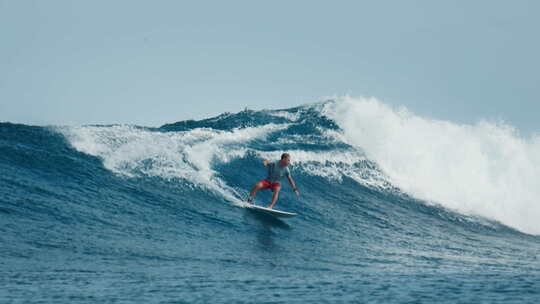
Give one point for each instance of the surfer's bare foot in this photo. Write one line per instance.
(250, 200)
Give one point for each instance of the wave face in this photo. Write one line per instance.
(393, 208)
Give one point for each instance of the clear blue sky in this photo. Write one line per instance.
(152, 62)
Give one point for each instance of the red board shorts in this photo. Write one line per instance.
(269, 185)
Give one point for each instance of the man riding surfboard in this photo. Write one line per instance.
(276, 171)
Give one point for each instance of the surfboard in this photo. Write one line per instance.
(272, 212)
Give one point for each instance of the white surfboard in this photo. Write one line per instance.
(272, 212)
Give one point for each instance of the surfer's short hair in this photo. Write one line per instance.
(285, 155)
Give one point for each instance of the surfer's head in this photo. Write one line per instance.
(285, 159)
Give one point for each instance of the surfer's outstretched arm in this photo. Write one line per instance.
(293, 185)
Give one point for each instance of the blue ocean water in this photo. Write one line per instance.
(128, 214)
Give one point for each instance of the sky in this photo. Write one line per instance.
(154, 62)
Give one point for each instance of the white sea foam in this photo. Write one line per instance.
(334, 165)
(188, 155)
(485, 169)
(287, 115)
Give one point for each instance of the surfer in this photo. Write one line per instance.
(276, 171)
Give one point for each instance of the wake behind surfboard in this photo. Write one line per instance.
(272, 212)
